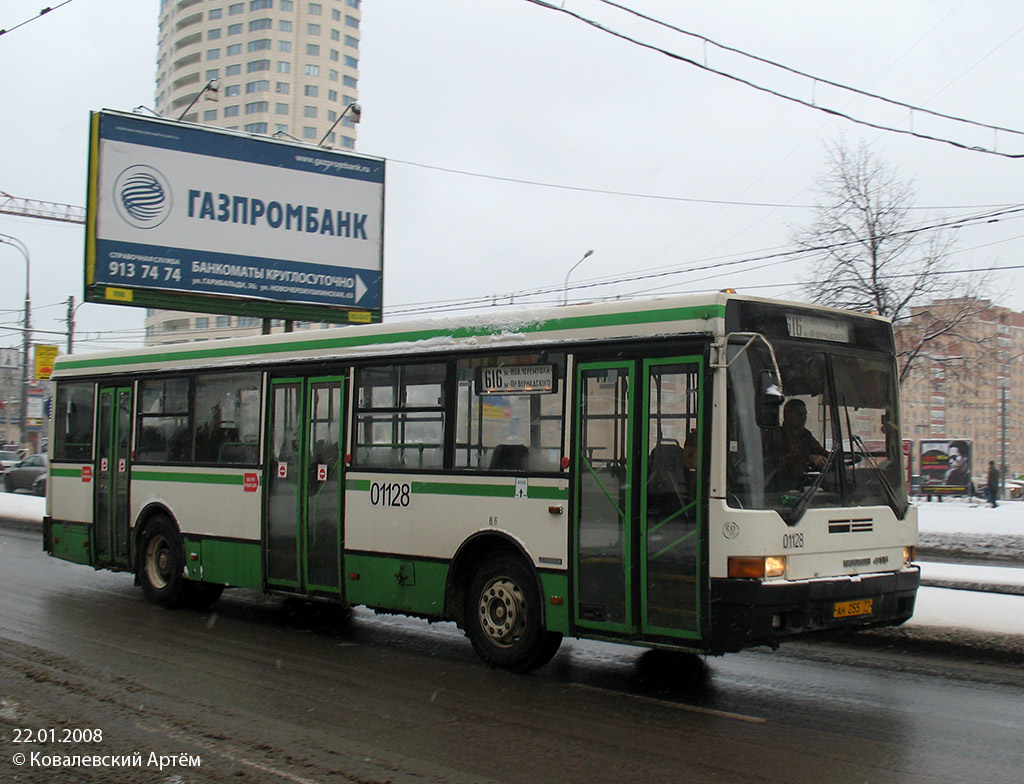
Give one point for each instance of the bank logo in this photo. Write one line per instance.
(142, 196)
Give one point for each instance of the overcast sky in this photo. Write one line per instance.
(506, 90)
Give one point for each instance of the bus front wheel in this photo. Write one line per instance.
(503, 617)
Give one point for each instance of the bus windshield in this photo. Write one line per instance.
(838, 443)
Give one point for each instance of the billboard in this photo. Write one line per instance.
(193, 218)
(45, 355)
(946, 467)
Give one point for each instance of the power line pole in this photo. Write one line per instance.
(18, 245)
(71, 323)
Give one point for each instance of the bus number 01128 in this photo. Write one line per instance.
(390, 493)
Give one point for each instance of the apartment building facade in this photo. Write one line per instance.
(967, 384)
(286, 67)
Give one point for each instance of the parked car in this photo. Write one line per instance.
(7, 460)
(22, 475)
(39, 486)
(1014, 488)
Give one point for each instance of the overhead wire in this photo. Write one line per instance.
(821, 79)
(654, 196)
(769, 91)
(662, 272)
(736, 233)
(40, 15)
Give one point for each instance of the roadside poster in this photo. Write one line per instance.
(44, 361)
(946, 466)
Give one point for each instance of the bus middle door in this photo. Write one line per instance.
(113, 472)
(304, 485)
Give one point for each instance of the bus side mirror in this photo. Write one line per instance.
(769, 399)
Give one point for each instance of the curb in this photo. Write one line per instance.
(22, 525)
(947, 643)
(1009, 590)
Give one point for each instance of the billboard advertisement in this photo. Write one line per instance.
(946, 467)
(193, 218)
(45, 355)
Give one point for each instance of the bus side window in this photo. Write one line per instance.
(72, 421)
(400, 416)
(509, 413)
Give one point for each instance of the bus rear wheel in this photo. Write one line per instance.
(503, 616)
(162, 569)
(161, 563)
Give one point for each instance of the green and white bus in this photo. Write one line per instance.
(620, 471)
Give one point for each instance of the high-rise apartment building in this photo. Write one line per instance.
(966, 383)
(281, 66)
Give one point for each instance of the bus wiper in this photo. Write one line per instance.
(805, 499)
(890, 491)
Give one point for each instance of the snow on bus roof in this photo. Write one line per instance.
(616, 319)
(491, 329)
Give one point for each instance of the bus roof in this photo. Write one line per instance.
(620, 319)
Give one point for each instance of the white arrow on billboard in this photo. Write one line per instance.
(360, 288)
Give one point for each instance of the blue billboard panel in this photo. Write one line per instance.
(195, 213)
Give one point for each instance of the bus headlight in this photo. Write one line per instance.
(909, 554)
(775, 566)
(757, 568)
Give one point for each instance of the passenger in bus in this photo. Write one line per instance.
(801, 451)
(510, 457)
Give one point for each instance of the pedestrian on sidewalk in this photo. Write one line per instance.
(993, 483)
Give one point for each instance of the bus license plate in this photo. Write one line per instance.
(854, 608)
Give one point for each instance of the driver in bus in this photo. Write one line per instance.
(800, 449)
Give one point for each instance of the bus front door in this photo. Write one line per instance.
(638, 497)
(304, 485)
(112, 472)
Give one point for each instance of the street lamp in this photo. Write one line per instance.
(211, 91)
(565, 287)
(357, 115)
(14, 242)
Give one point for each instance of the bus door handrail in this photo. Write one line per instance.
(590, 468)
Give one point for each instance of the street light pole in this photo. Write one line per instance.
(14, 242)
(1002, 440)
(565, 287)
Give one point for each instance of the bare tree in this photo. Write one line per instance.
(870, 256)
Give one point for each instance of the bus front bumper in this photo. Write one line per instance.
(752, 612)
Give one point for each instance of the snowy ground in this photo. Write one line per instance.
(951, 520)
(956, 515)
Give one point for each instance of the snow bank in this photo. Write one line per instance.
(23, 508)
(983, 612)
